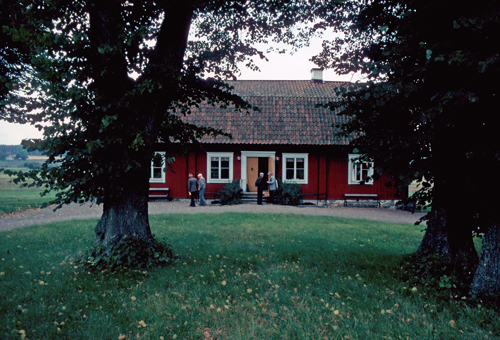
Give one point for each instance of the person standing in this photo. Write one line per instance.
(260, 184)
(273, 185)
(192, 189)
(202, 186)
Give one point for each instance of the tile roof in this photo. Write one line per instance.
(288, 114)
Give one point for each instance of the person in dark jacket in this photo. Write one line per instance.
(192, 189)
(260, 184)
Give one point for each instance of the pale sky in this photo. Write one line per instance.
(279, 67)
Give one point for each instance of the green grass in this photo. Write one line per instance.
(239, 276)
(14, 198)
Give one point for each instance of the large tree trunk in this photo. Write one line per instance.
(125, 211)
(461, 238)
(448, 231)
(435, 239)
(126, 194)
(445, 235)
(487, 277)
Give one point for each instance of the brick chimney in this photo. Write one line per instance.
(317, 75)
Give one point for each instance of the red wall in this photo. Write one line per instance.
(326, 174)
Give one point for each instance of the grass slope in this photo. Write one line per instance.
(239, 276)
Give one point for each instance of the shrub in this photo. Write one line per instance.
(22, 154)
(128, 253)
(287, 193)
(32, 165)
(231, 193)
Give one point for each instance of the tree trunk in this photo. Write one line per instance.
(436, 239)
(449, 231)
(461, 239)
(487, 277)
(125, 211)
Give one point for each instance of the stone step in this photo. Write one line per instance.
(249, 197)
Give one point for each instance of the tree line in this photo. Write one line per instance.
(16, 151)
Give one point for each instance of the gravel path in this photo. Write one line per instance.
(77, 211)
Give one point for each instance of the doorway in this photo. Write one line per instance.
(256, 165)
(253, 163)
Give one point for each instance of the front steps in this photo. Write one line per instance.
(251, 198)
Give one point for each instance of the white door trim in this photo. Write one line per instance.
(244, 155)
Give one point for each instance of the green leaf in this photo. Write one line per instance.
(106, 121)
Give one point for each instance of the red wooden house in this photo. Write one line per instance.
(290, 136)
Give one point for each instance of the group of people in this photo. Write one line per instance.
(197, 187)
(260, 184)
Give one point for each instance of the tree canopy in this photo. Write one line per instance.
(108, 80)
(110, 74)
(428, 108)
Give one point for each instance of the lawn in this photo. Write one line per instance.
(239, 276)
(13, 197)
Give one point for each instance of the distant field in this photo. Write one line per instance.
(38, 158)
(15, 198)
(19, 163)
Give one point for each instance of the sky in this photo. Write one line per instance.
(279, 67)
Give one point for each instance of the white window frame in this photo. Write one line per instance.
(151, 174)
(209, 178)
(305, 156)
(353, 169)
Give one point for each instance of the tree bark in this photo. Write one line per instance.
(125, 211)
(449, 231)
(486, 279)
(436, 239)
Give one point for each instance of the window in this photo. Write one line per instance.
(360, 172)
(220, 167)
(295, 167)
(157, 168)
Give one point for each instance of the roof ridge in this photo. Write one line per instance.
(289, 80)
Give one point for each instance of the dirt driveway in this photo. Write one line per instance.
(77, 211)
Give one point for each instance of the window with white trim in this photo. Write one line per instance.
(360, 172)
(157, 174)
(295, 167)
(220, 167)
